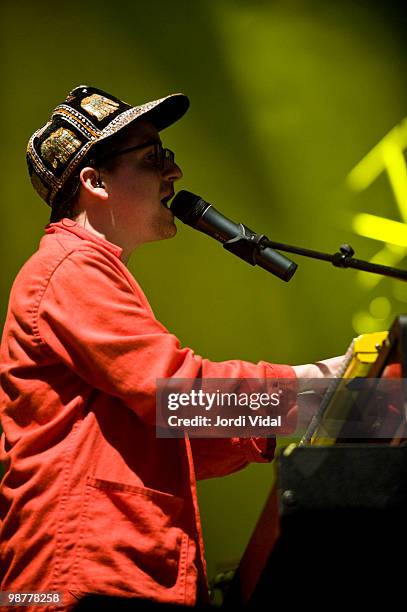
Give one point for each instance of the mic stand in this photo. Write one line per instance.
(342, 259)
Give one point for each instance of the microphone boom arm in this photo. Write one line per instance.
(341, 259)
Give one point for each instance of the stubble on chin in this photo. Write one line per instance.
(165, 230)
(171, 231)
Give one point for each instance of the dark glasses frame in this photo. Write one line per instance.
(162, 155)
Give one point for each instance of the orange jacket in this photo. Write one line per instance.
(91, 500)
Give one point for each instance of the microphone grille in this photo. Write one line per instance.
(188, 207)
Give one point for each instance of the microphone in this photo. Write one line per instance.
(236, 237)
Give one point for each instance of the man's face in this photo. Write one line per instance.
(136, 188)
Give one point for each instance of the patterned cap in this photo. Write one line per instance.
(87, 117)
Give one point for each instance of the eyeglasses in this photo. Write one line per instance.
(162, 158)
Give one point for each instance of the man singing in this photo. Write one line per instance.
(91, 500)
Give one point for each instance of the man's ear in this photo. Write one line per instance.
(92, 183)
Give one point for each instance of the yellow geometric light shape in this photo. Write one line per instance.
(396, 167)
(388, 156)
(379, 228)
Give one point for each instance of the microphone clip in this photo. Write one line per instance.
(246, 244)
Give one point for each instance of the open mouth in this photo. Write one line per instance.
(166, 199)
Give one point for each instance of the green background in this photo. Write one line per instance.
(286, 97)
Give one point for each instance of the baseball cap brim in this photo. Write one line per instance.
(162, 113)
(168, 111)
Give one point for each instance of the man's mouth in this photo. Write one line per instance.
(165, 200)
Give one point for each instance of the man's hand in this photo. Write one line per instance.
(327, 368)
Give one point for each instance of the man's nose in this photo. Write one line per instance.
(172, 173)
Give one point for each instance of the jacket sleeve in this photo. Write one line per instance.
(99, 323)
(221, 456)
